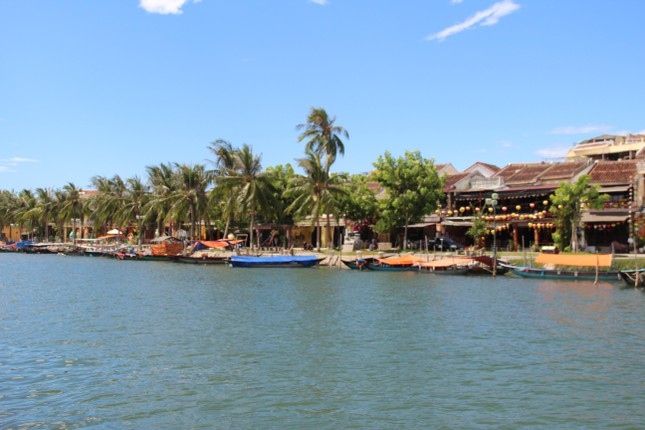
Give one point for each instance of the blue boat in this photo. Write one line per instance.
(275, 261)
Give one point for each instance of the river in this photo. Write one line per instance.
(107, 344)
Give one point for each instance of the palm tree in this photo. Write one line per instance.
(162, 181)
(8, 202)
(316, 192)
(108, 201)
(26, 210)
(224, 166)
(322, 135)
(73, 206)
(253, 187)
(190, 196)
(43, 210)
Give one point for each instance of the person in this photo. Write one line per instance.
(373, 244)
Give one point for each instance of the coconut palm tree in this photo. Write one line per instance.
(73, 206)
(190, 196)
(43, 209)
(321, 135)
(162, 182)
(316, 192)
(108, 201)
(224, 164)
(253, 187)
(25, 212)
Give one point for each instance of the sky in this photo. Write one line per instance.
(105, 88)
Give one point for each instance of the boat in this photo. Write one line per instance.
(484, 265)
(447, 266)
(203, 259)
(403, 263)
(634, 278)
(569, 260)
(274, 261)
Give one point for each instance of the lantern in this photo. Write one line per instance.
(531, 205)
(518, 208)
(545, 203)
(462, 209)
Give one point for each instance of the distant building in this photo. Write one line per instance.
(608, 147)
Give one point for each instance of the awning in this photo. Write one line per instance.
(459, 223)
(422, 225)
(583, 260)
(617, 189)
(590, 218)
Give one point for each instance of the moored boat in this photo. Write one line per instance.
(275, 261)
(404, 263)
(633, 278)
(447, 266)
(570, 260)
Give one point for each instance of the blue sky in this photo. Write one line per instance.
(109, 87)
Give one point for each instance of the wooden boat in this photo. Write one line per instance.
(633, 278)
(484, 266)
(447, 266)
(203, 259)
(404, 263)
(570, 260)
(274, 261)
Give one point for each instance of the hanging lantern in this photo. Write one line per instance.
(490, 210)
(462, 209)
(467, 208)
(531, 205)
(530, 225)
(545, 203)
(477, 210)
(504, 208)
(518, 208)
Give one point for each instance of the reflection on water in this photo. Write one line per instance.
(91, 342)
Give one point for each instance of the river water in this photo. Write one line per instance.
(106, 344)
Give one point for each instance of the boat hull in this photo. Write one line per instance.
(574, 275)
(275, 261)
(371, 265)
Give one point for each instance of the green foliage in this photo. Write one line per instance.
(413, 187)
(358, 202)
(478, 230)
(567, 205)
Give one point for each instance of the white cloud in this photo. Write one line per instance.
(163, 7)
(17, 160)
(8, 164)
(585, 129)
(320, 2)
(456, 1)
(490, 16)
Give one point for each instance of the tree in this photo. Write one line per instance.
(413, 187)
(359, 204)
(224, 164)
(315, 193)
(190, 196)
(322, 136)
(162, 181)
(567, 205)
(478, 230)
(253, 188)
(73, 206)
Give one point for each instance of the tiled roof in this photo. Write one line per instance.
(451, 180)
(613, 172)
(566, 170)
(523, 173)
